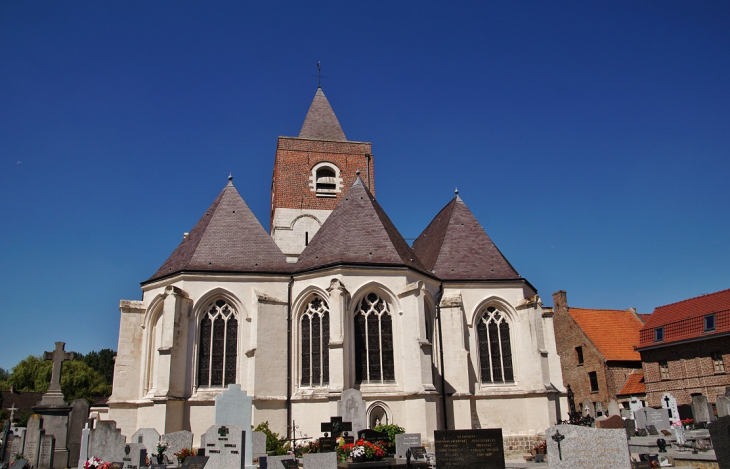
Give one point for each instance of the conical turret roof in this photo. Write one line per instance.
(454, 246)
(321, 122)
(228, 238)
(358, 232)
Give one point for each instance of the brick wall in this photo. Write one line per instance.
(295, 158)
(691, 370)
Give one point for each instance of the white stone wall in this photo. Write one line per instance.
(290, 225)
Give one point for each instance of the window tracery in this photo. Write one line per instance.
(218, 346)
(315, 333)
(374, 341)
(495, 351)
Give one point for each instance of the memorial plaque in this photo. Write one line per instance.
(477, 449)
(651, 430)
(640, 465)
(403, 441)
(374, 437)
(194, 462)
(289, 464)
(327, 444)
(418, 452)
(116, 465)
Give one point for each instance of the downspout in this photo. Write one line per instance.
(288, 356)
(368, 155)
(441, 355)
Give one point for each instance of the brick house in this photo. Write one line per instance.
(685, 350)
(597, 356)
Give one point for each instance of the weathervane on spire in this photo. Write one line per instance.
(319, 74)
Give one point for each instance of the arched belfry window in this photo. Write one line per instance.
(315, 338)
(495, 351)
(217, 351)
(373, 341)
(325, 180)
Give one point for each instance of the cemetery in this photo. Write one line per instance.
(61, 436)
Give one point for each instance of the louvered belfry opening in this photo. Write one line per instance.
(374, 341)
(315, 333)
(218, 351)
(495, 351)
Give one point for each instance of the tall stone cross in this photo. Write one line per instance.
(12, 410)
(59, 355)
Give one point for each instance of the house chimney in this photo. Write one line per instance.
(560, 302)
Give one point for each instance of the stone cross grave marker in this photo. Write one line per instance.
(582, 447)
(332, 430)
(351, 407)
(225, 447)
(54, 396)
(720, 435)
(83, 448)
(403, 441)
(458, 449)
(233, 407)
(12, 410)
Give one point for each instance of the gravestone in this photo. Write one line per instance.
(276, 462)
(18, 442)
(635, 405)
(45, 452)
(33, 434)
(335, 427)
(320, 461)
(177, 441)
(613, 421)
(670, 403)
(106, 441)
(651, 429)
(83, 455)
(259, 445)
(720, 435)
(233, 407)
(404, 441)
(723, 405)
(77, 420)
(614, 408)
(699, 409)
(351, 407)
(135, 456)
(147, 436)
(374, 437)
(588, 409)
(630, 427)
(225, 447)
(457, 449)
(194, 462)
(20, 464)
(573, 447)
(659, 418)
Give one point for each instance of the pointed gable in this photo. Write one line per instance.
(321, 122)
(358, 232)
(228, 238)
(454, 246)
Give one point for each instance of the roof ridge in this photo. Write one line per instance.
(706, 295)
(627, 310)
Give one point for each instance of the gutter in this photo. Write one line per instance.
(681, 342)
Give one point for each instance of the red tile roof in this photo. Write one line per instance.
(321, 122)
(685, 320)
(644, 317)
(454, 246)
(358, 232)
(634, 385)
(228, 238)
(614, 332)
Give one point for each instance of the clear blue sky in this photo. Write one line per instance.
(590, 139)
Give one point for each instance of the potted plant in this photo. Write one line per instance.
(161, 448)
(183, 453)
(539, 450)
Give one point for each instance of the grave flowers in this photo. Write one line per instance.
(688, 423)
(361, 451)
(161, 447)
(96, 463)
(184, 453)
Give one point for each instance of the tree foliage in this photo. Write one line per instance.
(275, 445)
(78, 380)
(101, 361)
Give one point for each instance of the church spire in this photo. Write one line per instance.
(321, 122)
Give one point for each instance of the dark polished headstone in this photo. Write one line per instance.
(478, 449)
(374, 437)
(720, 435)
(640, 465)
(651, 430)
(327, 444)
(194, 462)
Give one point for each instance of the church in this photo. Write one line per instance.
(443, 334)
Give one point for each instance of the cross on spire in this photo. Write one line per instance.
(59, 355)
(319, 74)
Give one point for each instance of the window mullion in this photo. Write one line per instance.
(210, 352)
(501, 355)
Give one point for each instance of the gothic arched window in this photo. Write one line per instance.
(218, 345)
(495, 351)
(315, 338)
(373, 341)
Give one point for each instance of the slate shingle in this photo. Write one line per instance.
(454, 246)
(228, 238)
(321, 122)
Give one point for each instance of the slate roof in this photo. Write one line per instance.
(321, 122)
(228, 238)
(455, 247)
(358, 232)
(685, 320)
(613, 332)
(634, 385)
(21, 400)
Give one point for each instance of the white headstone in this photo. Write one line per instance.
(588, 408)
(84, 453)
(635, 405)
(233, 407)
(148, 437)
(670, 403)
(723, 405)
(224, 446)
(135, 456)
(351, 408)
(614, 408)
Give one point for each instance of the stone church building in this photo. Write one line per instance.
(443, 334)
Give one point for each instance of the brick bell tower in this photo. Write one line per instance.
(312, 172)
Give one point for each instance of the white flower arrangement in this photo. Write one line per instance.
(358, 451)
